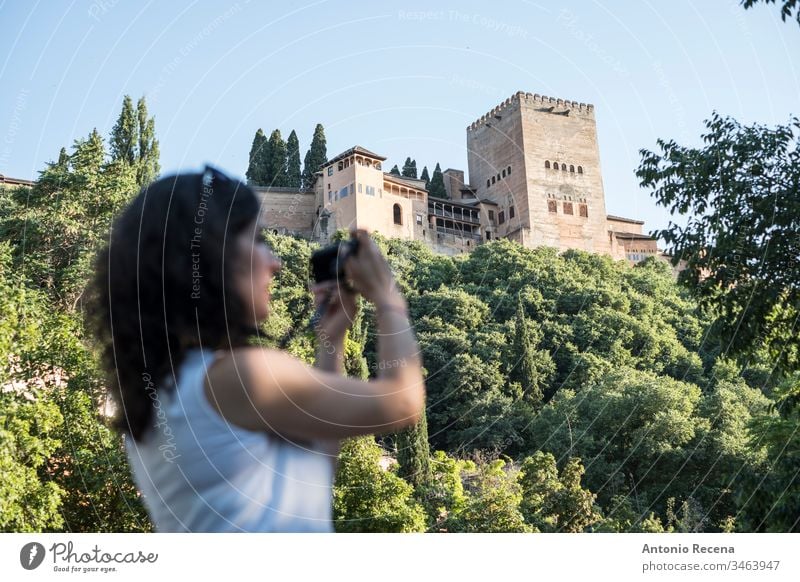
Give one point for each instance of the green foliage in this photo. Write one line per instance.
(410, 168)
(493, 502)
(437, 188)
(426, 176)
(274, 168)
(293, 178)
(367, 498)
(443, 495)
(788, 7)
(552, 503)
(63, 468)
(316, 156)
(413, 454)
(741, 242)
(771, 501)
(258, 153)
(28, 502)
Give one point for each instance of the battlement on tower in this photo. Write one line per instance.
(532, 99)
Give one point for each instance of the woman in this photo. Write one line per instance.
(221, 435)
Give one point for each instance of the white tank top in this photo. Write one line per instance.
(199, 473)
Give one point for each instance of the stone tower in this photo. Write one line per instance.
(537, 157)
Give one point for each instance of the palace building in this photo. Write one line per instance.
(534, 178)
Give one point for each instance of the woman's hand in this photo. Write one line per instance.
(340, 311)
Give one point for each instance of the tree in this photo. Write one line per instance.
(426, 177)
(413, 454)
(741, 242)
(255, 166)
(368, 499)
(493, 502)
(148, 166)
(293, 178)
(556, 504)
(410, 169)
(771, 501)
(57, 225)
(316, 156)
(125, 135)
(394, 171)
(275, 163)
(788, 7)
(532, 368)
(437, 188)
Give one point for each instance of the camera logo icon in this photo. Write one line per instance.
(31, 555)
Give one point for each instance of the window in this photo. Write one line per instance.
(487, 183)
(330, 196)
(488, 235)
(330, 173)
(509, 170)
(350, 188)
(583, 210)
(377, 165)
(343, 192)
(564, 167)
(502, 217)
(580, 169)
(380, 192)
(511, 212)
(491, 215)
(547, 164)
(498, 176)
(398, 214)
(419, 218)
(492, 179)
(341, 166)
(370, 190)
(504, 173)
(555, 165)
(572, 169)
(552, 206)
(359, 187)
(567, 207)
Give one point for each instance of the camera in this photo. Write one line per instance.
(328, 262)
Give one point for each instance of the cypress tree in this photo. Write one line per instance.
(395, 170)
(255, 173)
(316, 156)
(275, 162)
(293, 178)
(124, 140)
(437, 188)
(148, 166)
(425, 176)
(413, 454)
(525, 369)
(410, 169)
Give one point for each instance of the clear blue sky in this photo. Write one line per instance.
(401, 79)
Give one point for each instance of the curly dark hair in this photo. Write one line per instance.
(164, 285)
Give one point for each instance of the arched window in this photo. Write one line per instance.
(580, 169)
(504, 173)
(547, 164)
(488, 183)
(492, 179)
(572, 168)
(509, 170)
(564, 167)
(398, 214)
